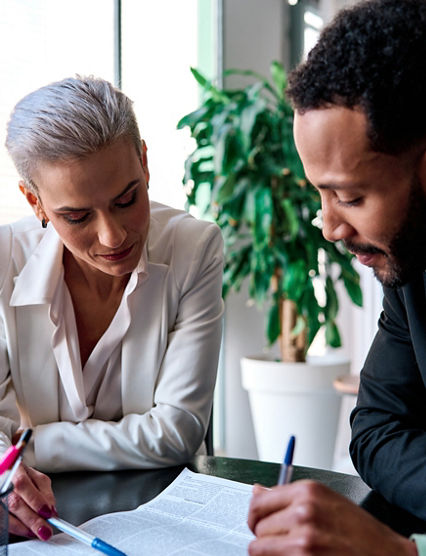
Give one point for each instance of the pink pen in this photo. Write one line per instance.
(13, 452)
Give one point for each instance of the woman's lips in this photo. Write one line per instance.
(117, 256)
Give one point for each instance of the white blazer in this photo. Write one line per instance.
(169, 353)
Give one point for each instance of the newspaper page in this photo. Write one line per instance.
(196, 514)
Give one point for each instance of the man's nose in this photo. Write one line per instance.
(335, 226)
(111, 232)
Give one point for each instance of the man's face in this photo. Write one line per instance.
(374, 202)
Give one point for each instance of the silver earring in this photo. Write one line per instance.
(44, 223)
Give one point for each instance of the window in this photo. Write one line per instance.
(312, 26)
(46, 40)
(159, 44)
(43, 41)
(306, 23)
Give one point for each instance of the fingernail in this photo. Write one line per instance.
(45, 512)
(44, 533)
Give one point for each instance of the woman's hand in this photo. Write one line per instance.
(30, 503)
(307, 518)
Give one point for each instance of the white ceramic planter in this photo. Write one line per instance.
(295, 398)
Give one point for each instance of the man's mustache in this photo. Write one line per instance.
(363, 249)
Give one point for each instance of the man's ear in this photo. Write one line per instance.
(33, 200)
(145, 162)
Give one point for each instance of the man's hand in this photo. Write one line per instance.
(307, 518)
(30, 503)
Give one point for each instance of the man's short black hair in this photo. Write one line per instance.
(372, 56)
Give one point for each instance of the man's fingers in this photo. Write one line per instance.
(277, 523)
(263, 503)
(267, 501)
(300, 496)
(269, 546)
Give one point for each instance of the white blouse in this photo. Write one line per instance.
(95, 390)
(144, 396)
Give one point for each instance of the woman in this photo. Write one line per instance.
(110, 316)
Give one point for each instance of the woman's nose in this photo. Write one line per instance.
(111, 232)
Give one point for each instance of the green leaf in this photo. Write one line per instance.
(353, 288)
(292, 220)
(294, 281)
(279, 77)
(263, 216)
(192, 118)
(247, 120)
(311, 312)
(202, 200)
(332, 303)
(224, 188)
(249, 211)
(207, 86)
(332, 336)
(220, 151)
(249, 73)
(299, 327)
(273, 327)
(200, 78)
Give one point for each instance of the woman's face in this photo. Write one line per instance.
(98, 205)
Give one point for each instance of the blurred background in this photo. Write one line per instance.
(147, 48)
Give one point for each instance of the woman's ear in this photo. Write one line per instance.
(145, 162)
(34, 202)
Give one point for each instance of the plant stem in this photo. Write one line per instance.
(292, 347)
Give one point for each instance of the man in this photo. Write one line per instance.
(360, 129)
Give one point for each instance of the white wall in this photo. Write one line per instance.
(254, 34)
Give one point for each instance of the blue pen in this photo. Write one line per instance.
(286, 466)
(84, 537)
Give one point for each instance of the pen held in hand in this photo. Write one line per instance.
(286, 469)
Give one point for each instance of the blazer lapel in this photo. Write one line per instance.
(143, 346)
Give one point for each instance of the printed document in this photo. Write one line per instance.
(197, 514)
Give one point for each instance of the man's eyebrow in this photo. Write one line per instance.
(82, 209)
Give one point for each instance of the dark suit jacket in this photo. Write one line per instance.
(388, 445)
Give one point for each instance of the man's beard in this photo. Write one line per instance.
(406, 253)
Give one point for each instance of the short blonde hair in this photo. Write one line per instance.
(68, 119)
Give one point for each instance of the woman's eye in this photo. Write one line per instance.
(127, 199)
(351, 203)
(76, 218)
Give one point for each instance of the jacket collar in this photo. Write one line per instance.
(37, 282)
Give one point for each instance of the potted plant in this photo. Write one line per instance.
(245, 173)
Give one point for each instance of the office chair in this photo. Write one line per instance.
(208, 439)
